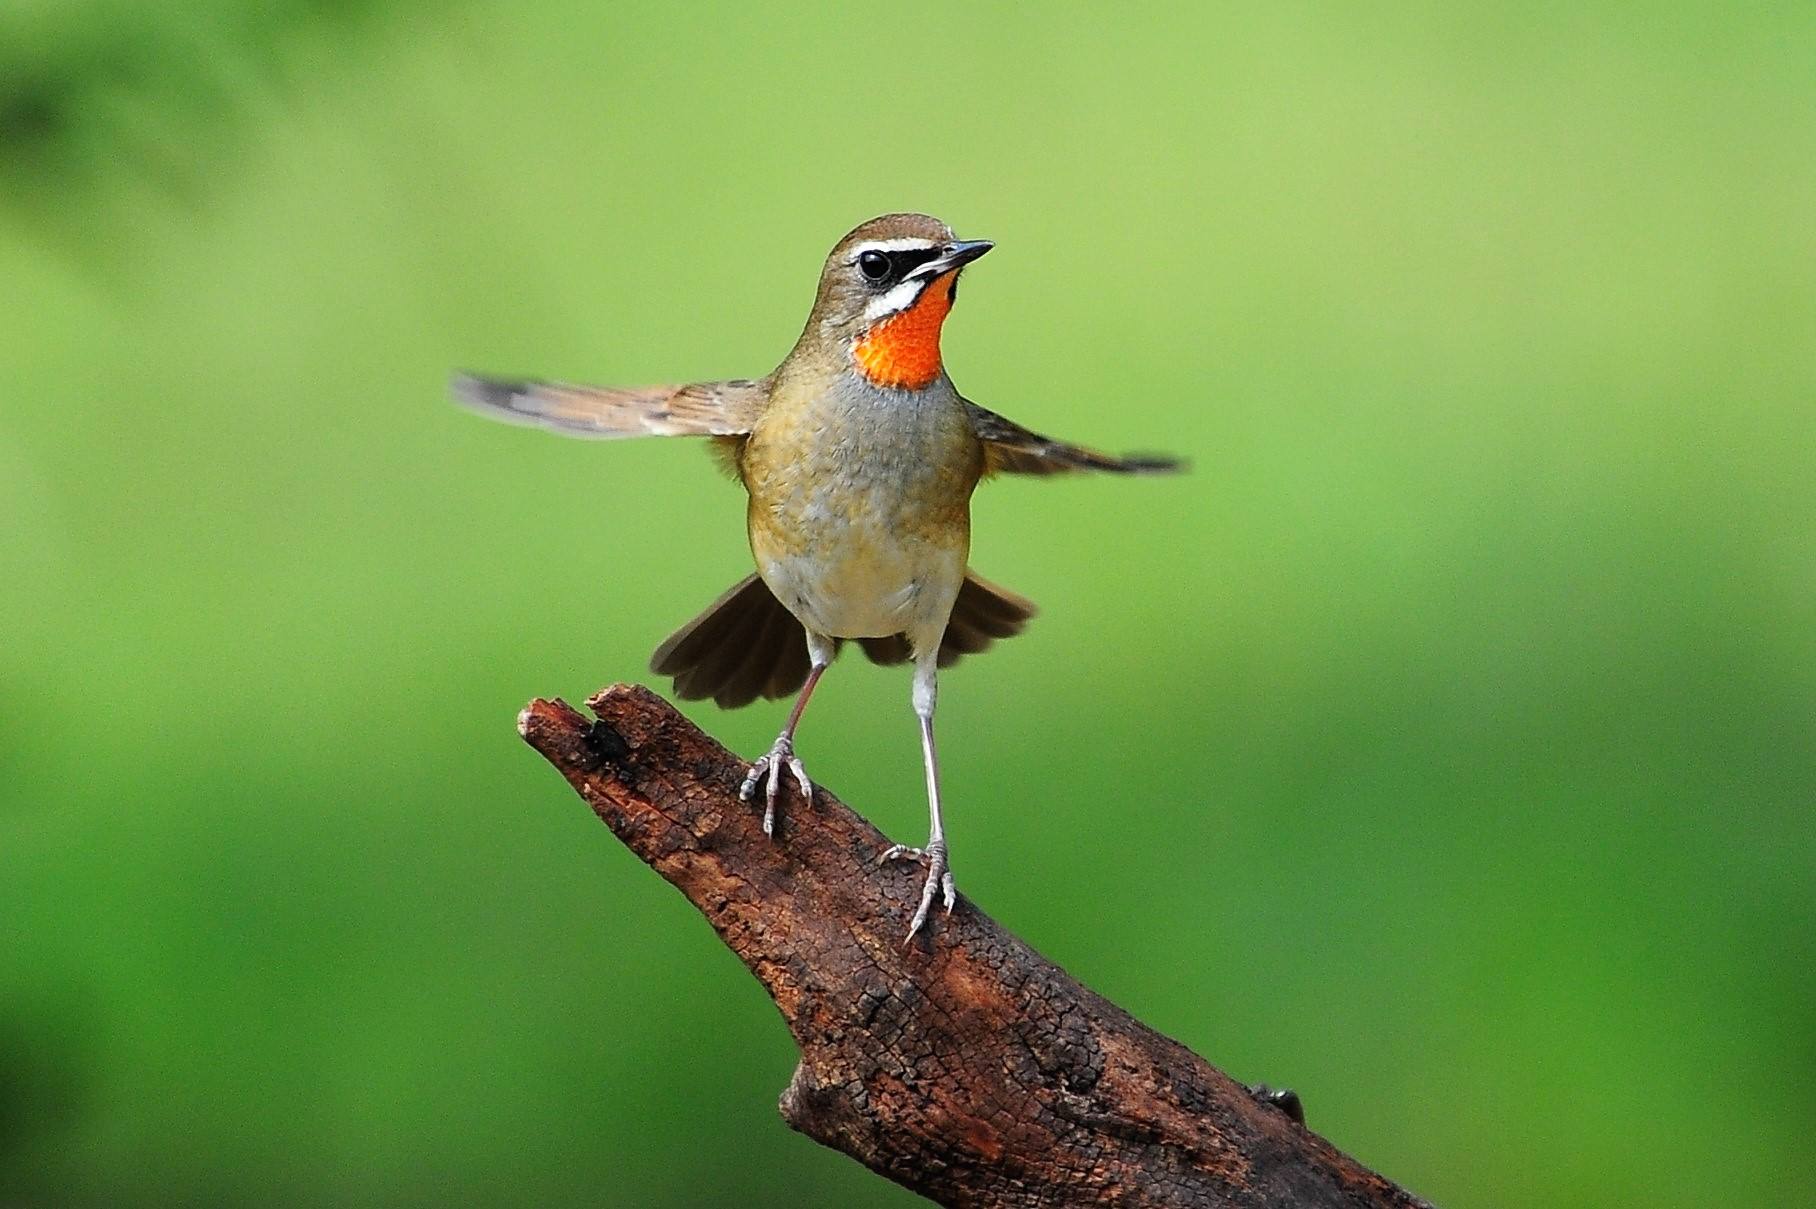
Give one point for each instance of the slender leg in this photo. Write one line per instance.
(781, 754)
(939, 873)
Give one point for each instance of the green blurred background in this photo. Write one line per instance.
(1444, 746)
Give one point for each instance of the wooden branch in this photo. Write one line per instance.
(964, 1066)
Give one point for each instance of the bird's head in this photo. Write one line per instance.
(885, 292)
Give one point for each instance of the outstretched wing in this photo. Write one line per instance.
(1011, 449)
(705, 409)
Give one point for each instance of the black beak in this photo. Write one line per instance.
(957, 255)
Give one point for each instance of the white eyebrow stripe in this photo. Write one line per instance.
(898, 299)
(905, 244)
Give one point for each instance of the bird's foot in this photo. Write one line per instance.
(768, 769)
(939, 879)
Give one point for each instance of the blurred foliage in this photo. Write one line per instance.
(1442, 747)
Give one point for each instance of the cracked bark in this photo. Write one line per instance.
(965, 1067)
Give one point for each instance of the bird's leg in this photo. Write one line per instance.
(939, 873)
(770, 764)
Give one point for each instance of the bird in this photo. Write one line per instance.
(859, 457)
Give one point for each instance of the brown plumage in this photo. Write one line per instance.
(698, 409)
(859, 458)
(1011, 449)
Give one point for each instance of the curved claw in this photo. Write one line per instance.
(768, 768)
(939, 878)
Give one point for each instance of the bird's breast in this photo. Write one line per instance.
(860, 507)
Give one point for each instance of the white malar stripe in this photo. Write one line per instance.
(898, 299)
(905, 244)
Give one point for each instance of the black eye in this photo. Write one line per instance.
(874, 266)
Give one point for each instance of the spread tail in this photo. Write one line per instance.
(746, 645)
(982, 613)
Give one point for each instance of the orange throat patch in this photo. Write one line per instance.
(903, 351)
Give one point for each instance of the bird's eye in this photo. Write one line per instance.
(874, 266)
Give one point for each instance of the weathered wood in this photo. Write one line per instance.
(964, 1066)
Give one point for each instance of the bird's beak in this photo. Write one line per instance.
(957, 255)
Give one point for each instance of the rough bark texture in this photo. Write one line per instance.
(964, 1066)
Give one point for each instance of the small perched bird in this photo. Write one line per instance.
(859, 456)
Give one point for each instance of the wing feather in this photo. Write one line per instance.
(1011, 449)
(718, 409)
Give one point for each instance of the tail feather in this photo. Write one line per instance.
(682, 649)
(991, 608)
(741, 646)
(718, 657)
(746, 645)
(758, 667)
(887, 651)
(983, 613)
(792, 663)
(961, 639)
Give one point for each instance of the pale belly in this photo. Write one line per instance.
(866, 574)
(865, 541)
